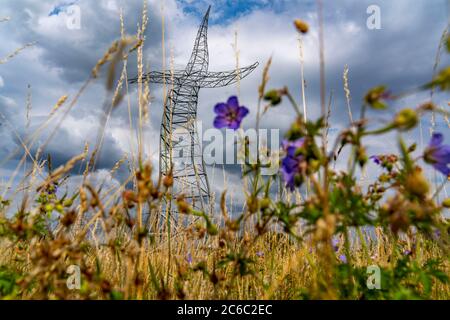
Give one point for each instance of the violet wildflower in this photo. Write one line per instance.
(407, 252)
(375, 159)
(259, 254)
(438, 154)
(343, 258)
(290, 165)
(335, 244)
(436, 234)
(189, 258)
(230, 114)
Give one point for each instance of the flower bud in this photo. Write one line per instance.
(446, 203)
(273, 96)
(301, 26)
(168, 181)
(129, 196)
(183, 206)
(406, 119)
(264, 203)
(375, 97)
(212, 229)
(252, 204)
(67, 203)
(314, 165)
(59, 208)
(412, 148)
(362, 156)
(68, 219)
(428, 106)
(442, 80)
(417, 184)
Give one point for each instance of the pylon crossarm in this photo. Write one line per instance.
(161, 77)
(198, 79)
(222, 79)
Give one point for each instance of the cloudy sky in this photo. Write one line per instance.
(400, 55)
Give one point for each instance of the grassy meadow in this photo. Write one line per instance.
(325, 235)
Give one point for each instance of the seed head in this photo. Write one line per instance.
(301, 26)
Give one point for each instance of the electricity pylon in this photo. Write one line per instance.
(180, 145)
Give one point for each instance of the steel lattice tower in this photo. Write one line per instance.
(180, 147)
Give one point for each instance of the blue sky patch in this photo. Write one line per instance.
(60, 8)
(225, 11)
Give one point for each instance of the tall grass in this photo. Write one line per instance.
(127, 246)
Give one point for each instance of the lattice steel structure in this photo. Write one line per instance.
(180, 147)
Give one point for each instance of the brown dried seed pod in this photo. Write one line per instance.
(301, 26)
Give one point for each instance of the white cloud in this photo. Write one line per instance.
(7, 101)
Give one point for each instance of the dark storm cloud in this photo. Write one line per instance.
(75, 51)
(60, 59)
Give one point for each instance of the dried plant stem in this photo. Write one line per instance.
(28, 106)
(127, 92)
(16, 52)
(302, 77)
(327, 120)
(347, 93)
(237, 58)
(305, 112)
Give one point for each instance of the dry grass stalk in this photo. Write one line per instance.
(28, 106)
(347, 93)
(60, 171)
(16, 52)
(58, 104)
(302, 76)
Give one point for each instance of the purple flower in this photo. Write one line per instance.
(376, 159)
(436, 234)
(438, 154)
(52, 188)
(260, 254)
(343, 258)
(407, 252)
(335, 244)
(290, 165)
(189, 258)
(230, 114)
